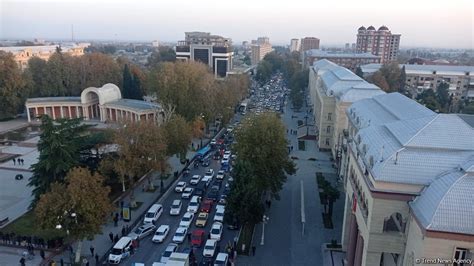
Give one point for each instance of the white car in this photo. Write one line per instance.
(221, 259)
(225, 160)
(209, 172)
(220, 174)
(216, 231)
(180, 234)
(176, 207)
(209, 248)
(172, 247)
(186, 220)
(219, 215)
(187, 192)
(161, 233)
(213, 142)
(207, 180)
(180, 186)
(194, 204)
(227, 154)
(195, 179)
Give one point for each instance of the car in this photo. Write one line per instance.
(197, 238)
(213, 142)
(180, 186)
(213, 195)
(206, 206)
(180, 234)
(220, 175)
(195, 179)
(230, 179)
(194, 204)
(201, 220)
(225, 161)
(216, 231)
(227, 154)
(176, 207)
(187, 193)
(199, 192)
(209, 248)
(223, 199)
(206, 162)
(172, 247)
(221, 259)
(209, 172)
(217, 185)
(206, 180)
(153, 213)
(186, 172)
(186, 220)
(142, 231)
(161, 233)
(219, 215)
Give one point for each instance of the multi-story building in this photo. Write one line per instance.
(423, 77)
(212, 50)
(24, 53)
(294, 45)
(332, 90)
(409, 184)
(308, 43)
(155, 43)
(379, 42)
(347, 60)
(260, 49)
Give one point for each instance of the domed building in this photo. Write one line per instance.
(102, 104)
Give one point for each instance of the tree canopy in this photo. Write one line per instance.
(13, 89)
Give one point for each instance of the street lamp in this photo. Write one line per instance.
(265, 219)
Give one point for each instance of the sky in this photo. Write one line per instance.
(422, 23)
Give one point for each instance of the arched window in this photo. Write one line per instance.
(394, 223)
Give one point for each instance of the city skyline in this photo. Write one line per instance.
(334, 23)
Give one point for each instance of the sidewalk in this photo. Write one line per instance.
(101, 242)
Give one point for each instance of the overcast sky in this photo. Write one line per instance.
(422, 23)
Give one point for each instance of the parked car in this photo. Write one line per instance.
(180, 186)
(209, 248)
(187, 193)
(186, 220)
(201, 220)
(142, 231)
(153, 213)
(172, 247)
(161, 233)
(197, 238)
(180, 234)
(176, 207)
(216, 231)
(195, 179)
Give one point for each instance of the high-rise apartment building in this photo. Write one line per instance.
(212, 50)
(260, 49)
(308, 43)
(379, 42)
(294, 45)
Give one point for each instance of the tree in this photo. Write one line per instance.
(80, 206)
(163, 54)
(429, 99)
(442, 95)
(178, 134)
(378, 79)
(264, 72)
(60, 147)
(468, 108)
(128, 85)
(12, 87)
(402, 81)
(359, 72)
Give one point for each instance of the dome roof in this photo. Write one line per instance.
(383, 28)
(371, 28)
(361, 28)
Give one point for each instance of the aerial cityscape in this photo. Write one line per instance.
(290, 133)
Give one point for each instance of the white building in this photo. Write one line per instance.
(294, 45)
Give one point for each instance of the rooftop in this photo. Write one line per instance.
(133, 104)
(424, 69)
(326, 54)
(54, 99)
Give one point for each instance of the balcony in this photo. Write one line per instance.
(182, 49)
(221, 49)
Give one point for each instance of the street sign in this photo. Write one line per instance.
(127, 215)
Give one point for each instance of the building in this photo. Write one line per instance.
(294, 45)
(260, 49)
(332, 90)
(409, 179)
(379, 42)
(102, 104)
(212, 50)
(423, 77)
(155, 43)
(308, 43)
(347, 60)
(24, 53)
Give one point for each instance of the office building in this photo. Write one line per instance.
(155, 43)
(294, 45)
(423, 77)
(212, 50)
(345, 59)
(260, 49)
(332, 90)
(309, 43)
(379, 42)
(409, 183)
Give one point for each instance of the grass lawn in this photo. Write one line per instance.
(26, 225)
(245, 239)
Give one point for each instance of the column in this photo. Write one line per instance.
(77, 111)
(36, 112)
(351, 247)
(69, 111)
(359, 251)
(61, 111)
(54, 113)
(28, 114)
(44, 110)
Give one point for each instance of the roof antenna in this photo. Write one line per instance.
(381, 153)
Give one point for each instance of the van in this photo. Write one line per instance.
(153, 213)
(121, 250)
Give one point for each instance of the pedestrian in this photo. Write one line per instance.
(70, 249)
(127, 229)
(111, 236)
(189, 236)
(42, 254)
(116, 238)
(61, 262)
(209, 236)
(22, 261)
(14, 161)
(22, 162)
(253, 250)
(291, 147)
(269, 204)
(92, 250)
(96, 259)
(115, 221)
(117, 215)
(123, 230)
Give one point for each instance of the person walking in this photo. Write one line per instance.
(42, 254)
(96, 259)
(116, 238)
(14, 161)
(92, 250)
(253, 250)
(22, 261)
(111, 236)
(123, 230)
(115, 221)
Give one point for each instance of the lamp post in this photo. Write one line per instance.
(265, 219)
(67, 215)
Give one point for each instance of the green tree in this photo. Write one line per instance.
(162, 54)
(128, 85)
(60, 147)
(359, 72)
(80, 206)
(429, 99)
(264, 71)
(442, 95)
(12, 87)
(402, 81)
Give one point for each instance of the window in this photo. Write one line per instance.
(329, 116)
(328, 129)
(327, 141)
(460, 254)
